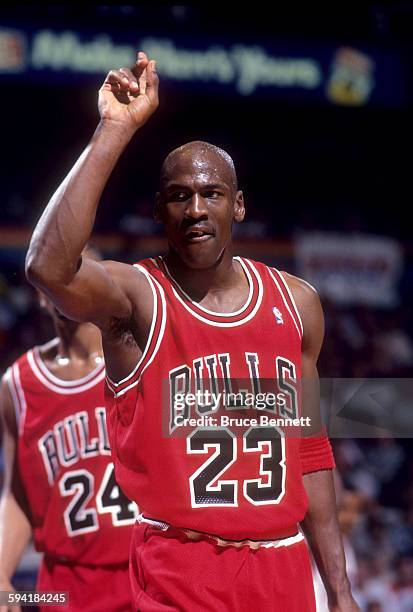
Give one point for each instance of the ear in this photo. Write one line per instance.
(239, 207)
(157, 210)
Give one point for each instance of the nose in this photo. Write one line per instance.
(196, 208)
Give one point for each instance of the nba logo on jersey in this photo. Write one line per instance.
(278, 316)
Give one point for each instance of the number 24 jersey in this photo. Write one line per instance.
(78, 512)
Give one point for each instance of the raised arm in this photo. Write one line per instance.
(81, 288)
(320, 524)
(15, 528)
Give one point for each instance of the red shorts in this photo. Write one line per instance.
(169, 572)
(91, 589)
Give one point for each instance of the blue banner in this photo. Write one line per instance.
(339, 75)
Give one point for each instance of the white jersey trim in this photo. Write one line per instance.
(293, 300)
(286, 542)
(285, 303)
(8, 379)
(60, 381)
(151, 331)
(18, 397)
(61, 390)
(227, 314)
(299, 537)
(212, 312)
(158, 342)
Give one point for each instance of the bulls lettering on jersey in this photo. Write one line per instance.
(212, 480)
(65, 464)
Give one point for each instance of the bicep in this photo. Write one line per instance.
(97, 292)
(315, 449)
(309, 307)
(313, 322)
(310, 382)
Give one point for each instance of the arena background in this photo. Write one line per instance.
(316, 109)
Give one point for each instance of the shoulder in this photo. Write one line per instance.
(309, 307)
(122, 271)
(304, 294)
(13, 384)
(133, 280)
(17, 366)
(131, 275)
(7, 408)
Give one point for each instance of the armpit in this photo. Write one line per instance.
(119, 330)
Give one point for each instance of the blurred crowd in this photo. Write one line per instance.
(376, 517)
(375, 475)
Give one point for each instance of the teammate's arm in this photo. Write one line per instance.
(320, 524)
(85, 289)
(15, 528)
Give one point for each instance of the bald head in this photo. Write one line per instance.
(199, 157)
(198, 203)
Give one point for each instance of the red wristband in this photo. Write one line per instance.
(316, 453)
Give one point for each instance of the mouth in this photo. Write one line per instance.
(194, 234)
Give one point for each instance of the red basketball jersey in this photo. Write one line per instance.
(78, 512)
(235, 481)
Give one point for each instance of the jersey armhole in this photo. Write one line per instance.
(293, 302)
(153, 342)
(288, 300)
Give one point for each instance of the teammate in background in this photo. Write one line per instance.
(59, 480)
(219, 524)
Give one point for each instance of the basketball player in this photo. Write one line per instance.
(220, 510)
(59, 481)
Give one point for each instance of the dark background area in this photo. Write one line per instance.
(298, 163)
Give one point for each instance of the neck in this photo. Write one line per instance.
(77, 341)
(198, 282)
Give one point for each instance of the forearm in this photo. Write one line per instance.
(322, 530)
(67, 222)
(15, 533)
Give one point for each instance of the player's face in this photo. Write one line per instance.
(198, 205)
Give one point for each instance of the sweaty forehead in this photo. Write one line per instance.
(200, 161)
